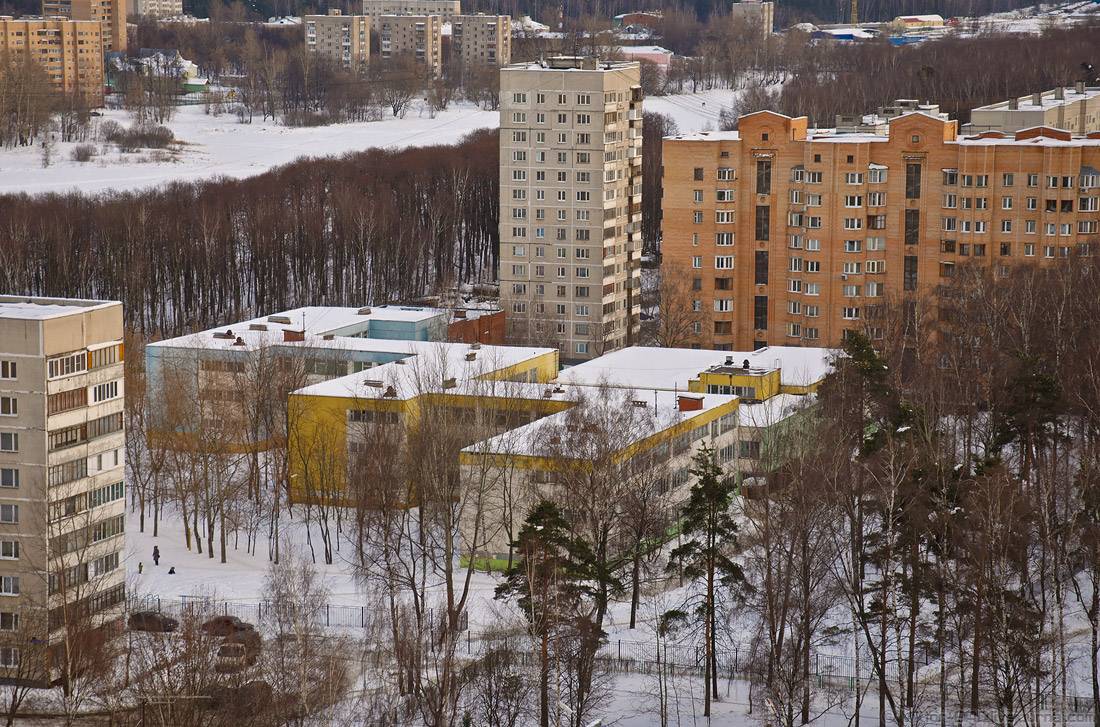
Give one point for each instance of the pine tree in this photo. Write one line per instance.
(709, 534)
(550, 582)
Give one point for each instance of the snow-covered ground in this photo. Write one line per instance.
(219, 146)
(1034, 19)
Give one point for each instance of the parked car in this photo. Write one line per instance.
(225, 625)
(233, 658)
(152, 621)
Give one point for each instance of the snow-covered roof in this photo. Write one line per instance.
(732, 135)
(771, 411)
(672, 369)
(648, 49)
(39, 309)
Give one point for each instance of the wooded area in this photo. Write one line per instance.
(375, 226)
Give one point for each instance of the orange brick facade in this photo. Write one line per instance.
(789, 237)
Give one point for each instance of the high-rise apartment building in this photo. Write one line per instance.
(755, 13)
(419, 37)
(446, 9)
(62, 457)
(111, 14)
(482, 40)
(570, 204)
(343, 39)
(790, 236)
(158, 8)
(1075, 109)
(71, 52)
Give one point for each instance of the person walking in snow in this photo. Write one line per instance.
(156, 555)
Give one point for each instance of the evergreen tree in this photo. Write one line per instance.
(709, 535)
(552, 581)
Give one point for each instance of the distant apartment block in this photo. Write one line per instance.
(446, 9)
(71, 52)
(1075, 109)
(482, 40)
(62, 457)
(570, 204)
(110, 13)
(789, 235)
(158, 8)
(755, 13)
(419, 37)
(342, 39)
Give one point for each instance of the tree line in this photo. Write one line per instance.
(373, 226)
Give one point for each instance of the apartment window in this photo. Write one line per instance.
(853, 245)
(760, 312)
(813, 177)
(105, 392)
(697, 261)
(813, 266)
(9, 406)
(1006, 203)
(1007, 180)
(853, 200)
(697, 217)
(9, 621)
(763, 222)
(853, 223)
(9, 549)
(852, 268)
(725, 174)
(794, 285)
(876, 199)
(950, 177)
(909, 277)
(763, 176)
(725, 217)
(7, 370)
(912, 227)
(853, 178)
(723, 262)
(581, 347)
(581, 291)
(950, 201)
(67, 365)
(723, 239)
(912, 181)
(761, 267)
(876, 266)
(9, 442)
(9, 477)
(876, 243)
(9, 514)
(581, 310)
(725, 195)
(812, 289)
(850, 313)
(813, 245)
(794, 265)
(9, 586)
(877, 176)
(1029, 227)
(697, 174)
(723, 305)
(850, 291)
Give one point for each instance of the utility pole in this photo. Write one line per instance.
(855, 12)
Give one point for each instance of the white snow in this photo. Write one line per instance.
(222, 147)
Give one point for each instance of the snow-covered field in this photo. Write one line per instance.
(1034, 19)
(219, 146)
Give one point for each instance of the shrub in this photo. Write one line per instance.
(111, 130)
(83, 153)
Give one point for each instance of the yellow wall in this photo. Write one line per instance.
(767, 385)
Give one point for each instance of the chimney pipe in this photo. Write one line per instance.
(1036, 99)
(1079, 87)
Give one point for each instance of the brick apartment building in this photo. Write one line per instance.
(789, 236)
(110, 13)
(342, 39)
(70, 51)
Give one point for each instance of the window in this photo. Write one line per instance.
(912, 181)
(761, 267)
(9, 477)
(850, 313)
(813, 266)
(763, 222)
(725, 174)
(748, 449)
(9, 585)
(853, 223)
(876, 199)
(67, 472)
(912, 227)
(909, 277)
(1006, 225)
(581, 347)
(697, 217)
(723, 239)
(9, 406)
(9, 549)
(9, 621)
(9, 514)
(725, 195)
(876, 176)
(9, 442)
(763, 177)
(876, 266)
(1006, 203)
(853, 268)
(876, 243)
(950, 201)
(794, 286)
(105, 392)
(67, 365)
(950, 177)
(813, 245)
(7, 370)
(697, 174)
(1007, 180)
(853, 200)
(853, 178)
(725, 217)
(853, 245)
(697, 262)
(760, 312)
(723, 262)
(850, 291)
(723, 305)
(812, 289)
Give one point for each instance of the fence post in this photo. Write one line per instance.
(362, 617)
(326, 614)
(620, 649)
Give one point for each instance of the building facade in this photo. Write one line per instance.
(482, 40)
(62, 457)
(419, 37)
(792, 236)
(158, 8)
(111, 14)
(1075, 109)
(570, 204)
(342, 39)
(446, 9)
(71, 52)
(754, 13)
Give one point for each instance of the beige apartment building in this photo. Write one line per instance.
(415, 36)
(62, 457)
(71, 52)
(343, 39)
(446, 9)
(158, 8)
(787, 235)
(482, 40)
(111, 14)
(1075, 109)
(755, 14)
(570, 204)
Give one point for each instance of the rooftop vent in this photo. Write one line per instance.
(328, 336)
(475, 346)
(640, 404)
(222, 334)
(375, 383)
(449, 383)
(471, 356)
(548, 394)
(729, 360)
(689, 402)
(363, 311)
(284, 320)
(745, 365)
(389, 393)
(239, 341)
(257, 327)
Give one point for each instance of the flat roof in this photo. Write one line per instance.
(31, 308)
(671, 369)
(314, 321)
(1047, 100)
(660, 412)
